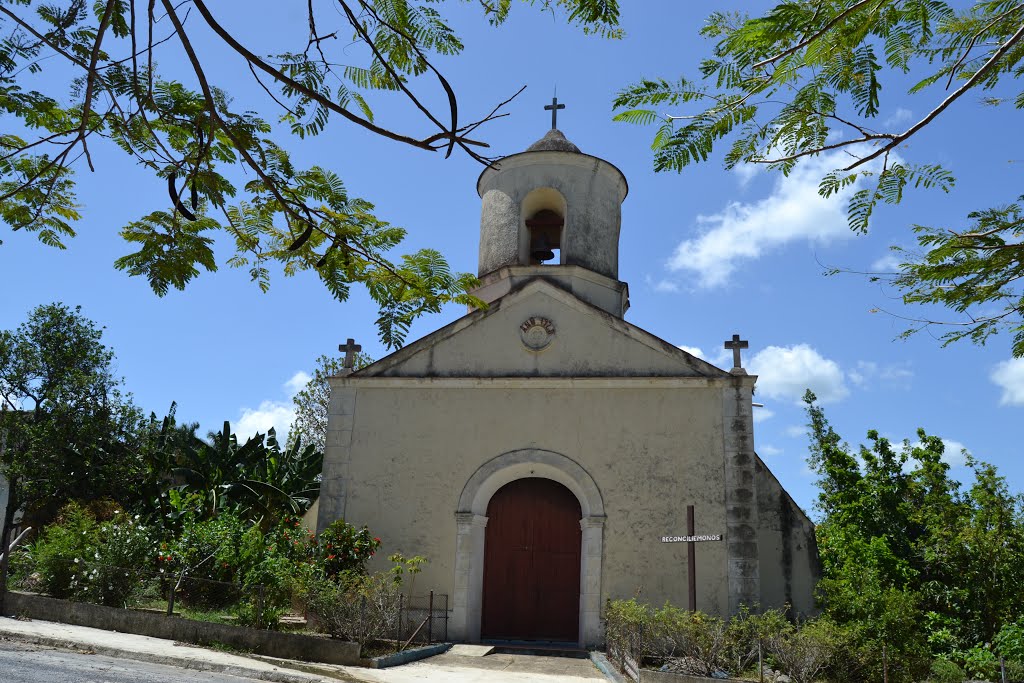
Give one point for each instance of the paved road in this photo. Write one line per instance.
(23, 663)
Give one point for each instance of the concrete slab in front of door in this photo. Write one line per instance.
(467, 650)
(494, 668)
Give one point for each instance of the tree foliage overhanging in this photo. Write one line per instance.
(77, 75)
(806, 78)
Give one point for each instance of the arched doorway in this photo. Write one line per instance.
(531, 582)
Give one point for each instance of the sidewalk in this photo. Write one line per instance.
(156, 651)
(450, 668)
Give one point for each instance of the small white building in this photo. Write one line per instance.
(542, 453)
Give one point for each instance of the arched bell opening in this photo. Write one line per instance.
(545, 237)
(543, 228)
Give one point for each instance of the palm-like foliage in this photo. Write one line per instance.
(257, 479)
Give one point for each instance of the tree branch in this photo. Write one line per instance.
(297, 86)
(814, 36)
(970, 83)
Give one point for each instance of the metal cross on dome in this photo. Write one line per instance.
(350, 348)
(553, 108)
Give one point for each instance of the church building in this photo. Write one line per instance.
(545, 455)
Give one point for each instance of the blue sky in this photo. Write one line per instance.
(707, 253)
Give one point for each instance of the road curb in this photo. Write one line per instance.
(153, 658)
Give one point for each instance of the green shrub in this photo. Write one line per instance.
(208, 552)
(945, 671)
(700, 638)
(1009, 642)
(342, 548)
(980, 663)
(361, 608)
(246, 613)
(61, 551)
(805, 652)
(746, 631)
(1015, 671)
(120, 564)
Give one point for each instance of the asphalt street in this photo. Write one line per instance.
(24, 663)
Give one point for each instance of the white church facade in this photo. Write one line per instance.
(543, 453)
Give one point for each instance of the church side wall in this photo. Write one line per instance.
(789, 563)
(651, 452)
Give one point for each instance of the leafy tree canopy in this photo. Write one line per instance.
(103, 86)
(909, 555)
(65, 427)
(806, 78)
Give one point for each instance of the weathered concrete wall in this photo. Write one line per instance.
(592, 189)
(651, 452)
(740, 493)
(597, 290)
(268, 643)
(790, 567)
(586, 343)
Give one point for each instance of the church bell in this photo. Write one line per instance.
(545, 235)
(540, 250)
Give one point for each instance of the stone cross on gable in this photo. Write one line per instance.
(553, 108)
(350, 348)
(736, 344)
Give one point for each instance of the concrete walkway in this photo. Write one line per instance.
(449, 667)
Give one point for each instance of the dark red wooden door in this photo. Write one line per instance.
(532, 563)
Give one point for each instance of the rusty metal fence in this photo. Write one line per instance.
(424, 618)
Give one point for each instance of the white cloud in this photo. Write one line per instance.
(746, 172)
(769, 450)
(693, 350)
(901, 115)
(274, 414)
(719, 359)
(271, 413)
(1009, 376)
(297, 383)
(762, 414)
(665, 286)
(868, 372)
(952, 454)
(796, 431)
(888, 263)
(743, 231)
(786, 372)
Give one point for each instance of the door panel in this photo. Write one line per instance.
(532, 563)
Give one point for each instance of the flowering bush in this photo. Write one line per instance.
(60, 551)
(78, 557)
(121, 560)
(342, 548)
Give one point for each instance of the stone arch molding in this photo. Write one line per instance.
(471, 520)
(530, 462)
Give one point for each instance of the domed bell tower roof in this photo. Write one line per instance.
(552, 212)
(554, 141)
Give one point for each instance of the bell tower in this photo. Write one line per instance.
(552, 212)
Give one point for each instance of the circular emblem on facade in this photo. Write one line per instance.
(537, 333)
